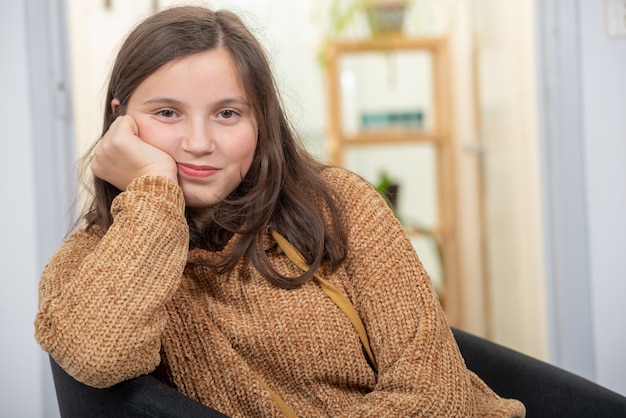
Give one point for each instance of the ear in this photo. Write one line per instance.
(115, 104)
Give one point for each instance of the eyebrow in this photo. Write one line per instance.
(233, 100)
(237, 100)
(162, 100)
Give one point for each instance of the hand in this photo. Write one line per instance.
(121, 156)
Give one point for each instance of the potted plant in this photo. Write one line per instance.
(384, 18)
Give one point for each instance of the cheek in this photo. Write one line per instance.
(157, 136)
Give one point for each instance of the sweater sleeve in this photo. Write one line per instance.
(421, 371)
(101, 299)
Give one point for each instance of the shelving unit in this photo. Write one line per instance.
(428, 130)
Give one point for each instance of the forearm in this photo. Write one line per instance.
(102, 302)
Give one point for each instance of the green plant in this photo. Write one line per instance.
(341, 15)
(388, 189)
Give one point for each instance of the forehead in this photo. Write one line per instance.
(211, 61)
(212, 72)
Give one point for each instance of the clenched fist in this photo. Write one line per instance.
(121, 156)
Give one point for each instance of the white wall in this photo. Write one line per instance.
(583, 112)
(21, 393)
(603, 78)
(36, 182)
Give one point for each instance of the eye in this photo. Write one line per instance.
(167, 113)
(227, 113)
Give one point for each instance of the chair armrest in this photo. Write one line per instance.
(144, 396)
(545, 390)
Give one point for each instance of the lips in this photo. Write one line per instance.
(196, 171)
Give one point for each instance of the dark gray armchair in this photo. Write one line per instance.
(142, 397)
(547, 391)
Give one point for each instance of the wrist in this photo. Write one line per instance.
(161, 186)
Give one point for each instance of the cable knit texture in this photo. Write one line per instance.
(117, 305)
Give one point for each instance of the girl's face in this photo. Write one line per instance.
(195, 110)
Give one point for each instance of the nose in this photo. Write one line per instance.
(198, 137)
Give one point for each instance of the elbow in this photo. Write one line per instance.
(104, 375)
(97, 362)
(100, 371)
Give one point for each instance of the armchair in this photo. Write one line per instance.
(545, 390)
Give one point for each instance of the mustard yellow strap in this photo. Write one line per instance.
(333, 293)
(284, 408)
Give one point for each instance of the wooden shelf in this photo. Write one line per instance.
(438, 134)
(385, 43)
(388, 136)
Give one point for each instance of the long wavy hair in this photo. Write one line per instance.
(283, 189)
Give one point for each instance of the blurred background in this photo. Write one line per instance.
(497, 129)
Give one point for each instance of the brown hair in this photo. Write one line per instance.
(283, 188)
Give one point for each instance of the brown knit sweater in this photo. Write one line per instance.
(114, 306)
